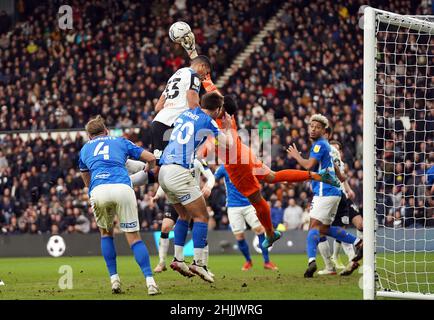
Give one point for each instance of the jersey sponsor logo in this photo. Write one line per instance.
(103, 175)
(185, 198)
(129, 225)
(316, 148)
(345, 220)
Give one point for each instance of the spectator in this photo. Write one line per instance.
(276, 213)
(293, 216)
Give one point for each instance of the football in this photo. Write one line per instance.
(178, 30)
(56, 246)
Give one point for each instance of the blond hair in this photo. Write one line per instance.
(321, 119)
(95, 126)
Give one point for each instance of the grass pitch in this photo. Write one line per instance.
(38, 278)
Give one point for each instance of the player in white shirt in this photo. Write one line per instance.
(180, 94)
(200, 167)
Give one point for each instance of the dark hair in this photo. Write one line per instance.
(230, 104)
(328, 130)
(202, 59)
(336, 143)
(211, 101)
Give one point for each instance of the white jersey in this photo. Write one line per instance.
(176, 95)
(336, 156)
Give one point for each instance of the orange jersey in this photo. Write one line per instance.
(243, 168)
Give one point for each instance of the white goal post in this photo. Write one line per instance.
(398, 100)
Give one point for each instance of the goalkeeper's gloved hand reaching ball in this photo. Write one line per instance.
(189, 44)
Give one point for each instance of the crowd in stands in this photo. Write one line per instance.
(115, 62)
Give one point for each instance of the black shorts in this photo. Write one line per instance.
(347, 210)
(160, 137)
(170, 213)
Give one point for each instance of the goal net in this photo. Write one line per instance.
(398, 150)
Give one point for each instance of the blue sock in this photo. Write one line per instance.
(109, 253)
(312, 243)
(244, 248)
(180, 230)
(264, 250)
(199, 234)
(142, 257)
(340, 234)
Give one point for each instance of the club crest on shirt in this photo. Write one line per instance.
(316, 148)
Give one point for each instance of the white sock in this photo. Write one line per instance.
(205, 255)
(349, 250)
(198, 256)
(139, 179)
(324, 249)
(310, 260)
(114, 277)
(179, 253)
(336, 249)
(150, 281)
(162, 250)
(359, 234)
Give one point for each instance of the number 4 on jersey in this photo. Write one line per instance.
(104, 152)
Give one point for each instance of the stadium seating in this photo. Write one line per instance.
(115, 63)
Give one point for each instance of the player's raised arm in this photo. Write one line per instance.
(160, 103)
(149, 158)
(308, 164)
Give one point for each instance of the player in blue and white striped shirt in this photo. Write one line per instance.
(326, 197)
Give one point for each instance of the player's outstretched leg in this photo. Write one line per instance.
(291, 176)
(178, 264)
(267, 263)
(109, 253)
(263, 212)
(141, 256)
(324, 249)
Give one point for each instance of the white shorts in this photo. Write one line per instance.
(178, 184)
(238, 216)
(118, 199)
(324, 208)
(134, 166)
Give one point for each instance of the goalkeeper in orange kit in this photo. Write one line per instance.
(244, 169)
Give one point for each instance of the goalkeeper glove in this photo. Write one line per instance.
(208, 85)
(189, 44)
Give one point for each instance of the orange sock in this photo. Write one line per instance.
(264, 215)
(290, 175)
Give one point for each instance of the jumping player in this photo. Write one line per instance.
(200, 167)
(102, 166)
(191, 129)
(240, 212)
(245, 172)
